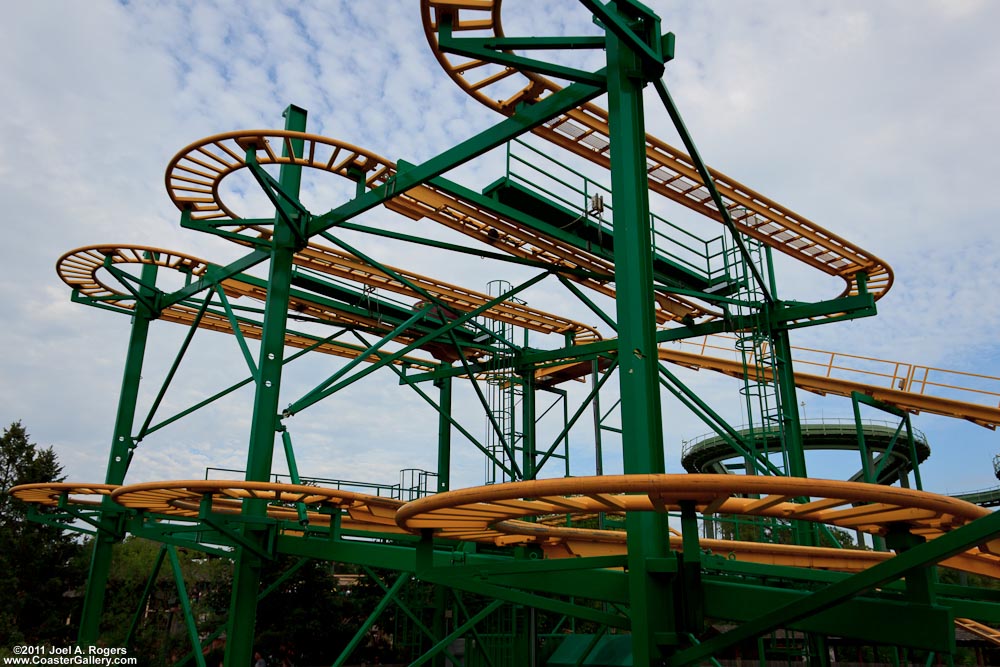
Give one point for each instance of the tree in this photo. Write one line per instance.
(161, 636)
(40, 566)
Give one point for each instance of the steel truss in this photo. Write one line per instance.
(661, 587)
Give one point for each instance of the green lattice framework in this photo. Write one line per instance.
(662, 596)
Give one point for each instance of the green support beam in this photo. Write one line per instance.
(949, 544)
(246, 577)
(661, 597)
(642, 431)
(118, 460)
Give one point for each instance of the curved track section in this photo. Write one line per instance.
(183, 498)
(566, 542)
(672, 174)
(53, 494)
(81, 269)
(707, 455)
(194, 177)
(364, 512)
(475, 513)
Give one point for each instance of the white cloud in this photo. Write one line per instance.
(874, 120)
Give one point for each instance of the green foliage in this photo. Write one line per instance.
(161, 636)
(40, 566)
(294, 621)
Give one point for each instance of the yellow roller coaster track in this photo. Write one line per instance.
(869, 508)
(903, 385)
(194, 176)
(81, 270)
(671, 172)
(568, 542)
(906, 386)
(365, 512)
(479, 513)
(183, 498)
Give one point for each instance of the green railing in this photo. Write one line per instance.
(580, 194)
(414, 483)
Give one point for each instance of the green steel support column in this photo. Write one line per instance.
(919, 583)
(642, 431)
(819, 651)
(789, 405)
(866, 462)
(566, 466)
(444, 434)
(121, 446)
(792, 428)
(439, 623)
(528, 416)
(694, 605)
(525, 636)
(913, 453)
(208, 639)
(785, 378)
(246, 577)
(878, 542)
(598, 443)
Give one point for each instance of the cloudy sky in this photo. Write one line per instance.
(874, 119)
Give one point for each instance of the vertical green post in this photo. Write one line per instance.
(444, 434)
(866, 462)
(911, 443)
(789, 405)
(528, 416)
(598, 443)
(246, 578)
(693, 619)
(805, 532)
(439, 624)
(121, 446)
(785, 381)
(642, 432)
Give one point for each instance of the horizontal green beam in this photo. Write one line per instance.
(537, 43)
(399, 558)
(589, 578)
(924, 555)
(486, 49)
(867, 619)
(521, 597)
(785, 313)
(982, 604)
